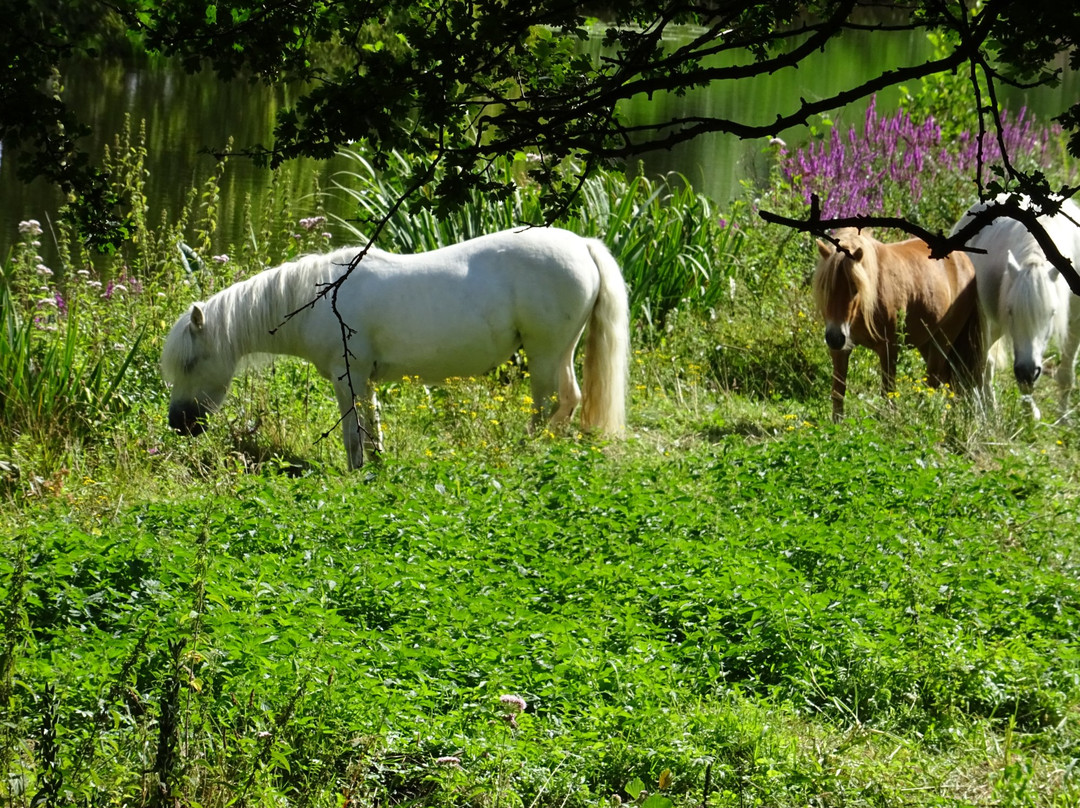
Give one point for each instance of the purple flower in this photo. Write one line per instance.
(857, 172)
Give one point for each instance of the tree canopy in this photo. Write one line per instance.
(455, 85)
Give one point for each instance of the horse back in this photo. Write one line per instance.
(462, 309)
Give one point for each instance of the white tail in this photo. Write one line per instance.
(607, 351)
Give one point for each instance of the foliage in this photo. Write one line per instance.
(454, 87)
(671, 242)
(51, 388)
(689, 611)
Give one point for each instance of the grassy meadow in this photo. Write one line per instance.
(740, 604)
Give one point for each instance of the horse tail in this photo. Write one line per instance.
(607, 350)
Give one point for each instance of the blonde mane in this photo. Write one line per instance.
(863, 274)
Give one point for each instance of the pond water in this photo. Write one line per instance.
(186, 116)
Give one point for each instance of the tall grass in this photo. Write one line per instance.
(53, 389)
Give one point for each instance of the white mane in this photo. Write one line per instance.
(242, 314)
(245, 311)
(1031, 290)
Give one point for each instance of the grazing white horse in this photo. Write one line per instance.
(1025, 299)
(456, 311)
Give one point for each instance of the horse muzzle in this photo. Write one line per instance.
(837, 336)
(188, 417)
(1027, 373)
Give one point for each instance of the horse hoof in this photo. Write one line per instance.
(1036, 415)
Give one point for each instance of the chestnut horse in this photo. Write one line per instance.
(861, 289)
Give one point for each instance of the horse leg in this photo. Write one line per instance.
(938, 368)
(887, 355)
(373, 436)
(995, 351)
(1066, 372)
(569, 391)
(544, 380)
(352, 430)
(840, 361)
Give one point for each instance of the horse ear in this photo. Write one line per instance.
(197, 318)
(825, 249)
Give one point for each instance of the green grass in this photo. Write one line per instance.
(824, 610)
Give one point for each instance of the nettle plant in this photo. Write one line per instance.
(898, 165)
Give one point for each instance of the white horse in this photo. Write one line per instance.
(456, 311)
(1024, 298)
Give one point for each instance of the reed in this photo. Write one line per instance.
(52, 388)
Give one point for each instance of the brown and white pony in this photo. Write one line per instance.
(861, 289)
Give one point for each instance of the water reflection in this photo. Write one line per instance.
(184, 119)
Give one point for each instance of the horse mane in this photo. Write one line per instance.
(863, 274)
(1032, 292)
(240, 315)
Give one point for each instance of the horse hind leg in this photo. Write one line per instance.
(553, 379)
(569, 391)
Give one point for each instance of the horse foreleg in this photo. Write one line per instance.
(372, 435)
(993, 344)
(352, 430)
(839, 381)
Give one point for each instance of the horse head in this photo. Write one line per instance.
(1036, 313)
(198, 369)
(843, 290)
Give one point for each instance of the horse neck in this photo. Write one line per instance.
(247, 312)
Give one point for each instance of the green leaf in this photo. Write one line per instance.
(635, 787)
